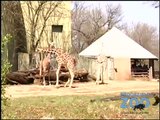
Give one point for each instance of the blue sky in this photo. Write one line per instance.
(133, 11)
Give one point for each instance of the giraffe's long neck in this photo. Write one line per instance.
(58, 51)
(45, 50)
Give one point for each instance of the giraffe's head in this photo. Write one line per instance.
(51, 45)
(54, 50)
(39, 50)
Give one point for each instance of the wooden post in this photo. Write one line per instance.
(153, 71)
(151, 64)
(150, 73)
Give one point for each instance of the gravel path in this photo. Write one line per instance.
(89, 88)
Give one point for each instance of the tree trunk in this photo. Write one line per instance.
(28, 77)
(13, 24)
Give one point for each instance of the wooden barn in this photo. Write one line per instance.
(123, 54)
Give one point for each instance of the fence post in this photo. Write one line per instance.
(150, 73)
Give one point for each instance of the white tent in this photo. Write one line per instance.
(116, 44)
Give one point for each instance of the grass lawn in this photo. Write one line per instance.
(73, 107)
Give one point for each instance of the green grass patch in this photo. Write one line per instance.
(73, 107)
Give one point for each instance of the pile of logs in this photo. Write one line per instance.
(31, 76)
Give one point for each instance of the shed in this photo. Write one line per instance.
(120, 49)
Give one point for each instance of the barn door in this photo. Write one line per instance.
(110, 66)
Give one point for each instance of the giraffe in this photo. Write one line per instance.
(44, 65)
(101, 59)
(64, 59)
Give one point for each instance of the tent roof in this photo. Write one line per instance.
(115, 43)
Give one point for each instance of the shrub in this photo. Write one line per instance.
(4, 68)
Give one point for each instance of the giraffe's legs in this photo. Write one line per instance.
(72, 77)
(71, 71)
(49, 76)
(44, 82)
(57, 75)
(67, 82)
(40, 69)
(44, 74)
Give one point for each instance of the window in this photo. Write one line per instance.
(57, 28)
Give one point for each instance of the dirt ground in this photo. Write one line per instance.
(87, 88)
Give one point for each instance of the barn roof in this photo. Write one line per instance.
(116, 44)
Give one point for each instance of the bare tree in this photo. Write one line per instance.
(89, 25)
(38, 15)
(145, 35)
(78, 21)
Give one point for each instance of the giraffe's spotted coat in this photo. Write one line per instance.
(63, 59)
